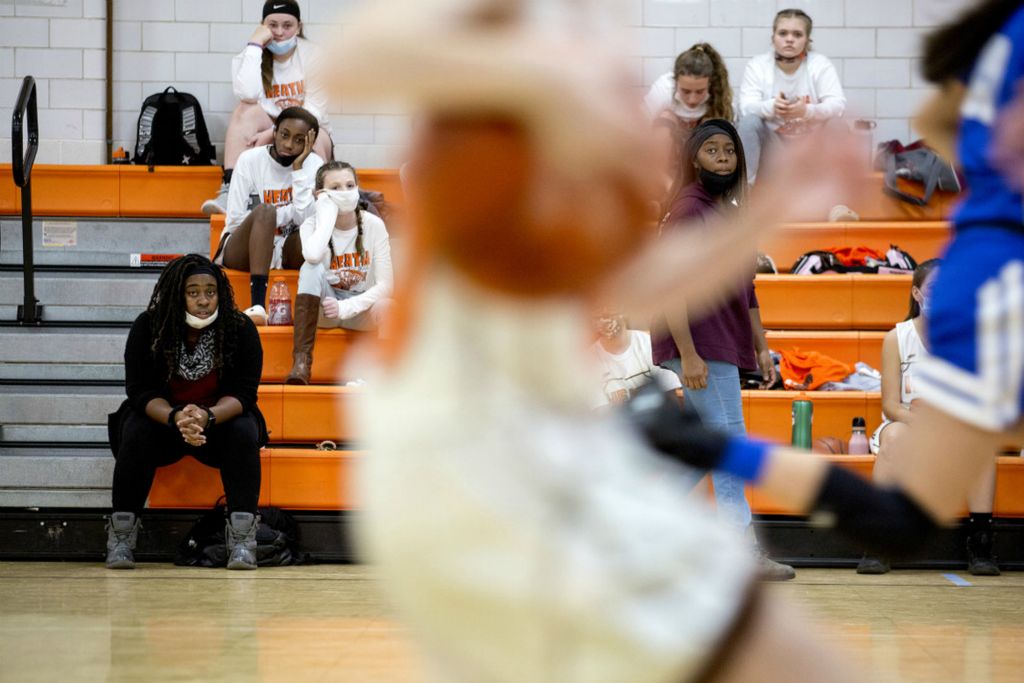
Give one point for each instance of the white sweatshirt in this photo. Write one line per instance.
(369, 276)
(295, 82)
(290, 191)
(816, 78)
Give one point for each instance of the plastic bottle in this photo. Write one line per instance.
(803, 418)
(858, 438)
(280, 303)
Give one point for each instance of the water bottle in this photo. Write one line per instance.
(280, 303)
(858, 438)
(803, 416)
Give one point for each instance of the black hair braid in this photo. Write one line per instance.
(167, 314)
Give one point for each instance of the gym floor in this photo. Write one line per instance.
(79, 621)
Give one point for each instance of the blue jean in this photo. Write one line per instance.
(720, 406)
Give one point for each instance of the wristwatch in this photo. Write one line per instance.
(211, 419)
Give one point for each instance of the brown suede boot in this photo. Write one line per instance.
(307, 310)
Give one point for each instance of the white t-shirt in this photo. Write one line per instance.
(624, 373)
(294, 82)
(256, 173)
(363, 279)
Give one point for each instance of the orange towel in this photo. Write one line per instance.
(810, 369)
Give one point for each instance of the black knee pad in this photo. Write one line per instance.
(883, 521)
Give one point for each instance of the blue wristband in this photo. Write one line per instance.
(745, 458)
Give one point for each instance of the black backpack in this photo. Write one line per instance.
(277, 540)
(172, 132)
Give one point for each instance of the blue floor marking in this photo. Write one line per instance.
(956, 580)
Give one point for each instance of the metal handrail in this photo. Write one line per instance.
(30, 312)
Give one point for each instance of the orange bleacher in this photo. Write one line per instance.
(126, 190)
(844, 316)
(921, 239)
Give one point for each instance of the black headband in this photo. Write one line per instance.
(704, 131)
(280, 7)
(200, 269)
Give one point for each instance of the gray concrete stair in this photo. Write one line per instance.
(58, 405)
(50, 354)
(80, 297)
(57, 477)
(106, 241)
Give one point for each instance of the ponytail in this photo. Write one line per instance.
(703, 61)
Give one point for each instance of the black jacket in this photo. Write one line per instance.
(146, 375)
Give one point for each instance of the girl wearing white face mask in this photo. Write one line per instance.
(274, 71)
(347, 278)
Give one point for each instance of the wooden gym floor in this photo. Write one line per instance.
(80, 622)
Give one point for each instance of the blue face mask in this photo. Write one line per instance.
(283, 47)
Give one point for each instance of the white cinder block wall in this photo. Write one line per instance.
(189, 44)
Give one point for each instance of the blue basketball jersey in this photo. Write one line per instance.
(992, 85)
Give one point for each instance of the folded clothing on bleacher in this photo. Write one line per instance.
(859, 259)
(808, 370)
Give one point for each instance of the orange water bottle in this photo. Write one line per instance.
(280, 303)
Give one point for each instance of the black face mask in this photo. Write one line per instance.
(284, 161)
(715, 184)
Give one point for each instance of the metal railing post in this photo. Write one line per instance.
(30, 312)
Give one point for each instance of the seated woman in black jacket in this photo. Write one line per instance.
(192, 367)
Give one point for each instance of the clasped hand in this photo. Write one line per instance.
(191, 421)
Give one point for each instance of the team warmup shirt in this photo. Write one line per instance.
(256, 173)
(292, 84)
(368, 275)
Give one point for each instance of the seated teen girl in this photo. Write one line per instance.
(276, 70)
(347, 279)
(271, 194)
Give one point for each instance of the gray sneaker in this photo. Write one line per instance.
(218, 204)
(770, 570)
(122, 531)
(240, 537)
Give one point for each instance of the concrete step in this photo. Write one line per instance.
(103, 241)
(80, 297)
(62, 344)
(82, 289)
(61, 372)
(61, 477)
(45, 433)
(58, 405)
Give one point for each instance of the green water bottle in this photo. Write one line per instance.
(803, 417)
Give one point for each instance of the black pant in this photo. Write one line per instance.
(232, 447)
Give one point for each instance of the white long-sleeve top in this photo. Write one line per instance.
(295, 82)
(368, 276)
(762, 82)
(290, 191)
